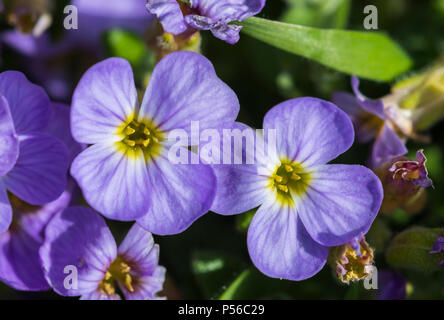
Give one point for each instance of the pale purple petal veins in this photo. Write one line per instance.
(169, 14)
(40, 174)
(9, 143)
(280, 246)
(5, 209)
(184, 87)
(387, 145)
(77, 237)
(375, 107)
(340, 203)
(180, 194)
(228, 10)
(138, 250)
(104, 99)
(28, 103)
(310, 131)
(99, 295)
(114, 183)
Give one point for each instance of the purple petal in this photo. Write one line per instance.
(60, 127)
(375, 107)
(28, 103)
(143, 256)
(169, 14)
(99, 295)
(309, 130)
(5, 209)
(184, 87)
(222, 30)
(341, 203)
(77, 237)
(105, 98)
(181, 193)
(240, 187)
(387, 146)
(9, 144)
(366, 124)
(229, 10)
(279, 245)
(20, 266)
(40, 173)
(113, 183)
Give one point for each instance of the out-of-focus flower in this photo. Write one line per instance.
(126, 173)
(185, 17)
(29, 16)
(352, 261)
(404, 182)
(438, 247)
(78, 237)
(51, 63)
(306, 206)
(33, 164)
(20, 265)
(391, 286)
(378, 120)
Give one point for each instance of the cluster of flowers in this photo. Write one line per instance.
(116, 151)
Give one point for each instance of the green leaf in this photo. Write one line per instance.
(368, 55)
(411, 250)
(318, 13)
(214, 270)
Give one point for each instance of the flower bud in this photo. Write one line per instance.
(352, 261)
(404, 183)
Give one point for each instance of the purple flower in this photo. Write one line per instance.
(391, 286)
(374, 120)
(438, 247)
(414, 171)
(186, 17)
(46, 61)
(125, 174)
(33, 164)
(20, 265)
(78, 238)
(306, 206)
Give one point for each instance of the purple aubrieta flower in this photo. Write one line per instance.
(305, 206)
(188, 16)
(126, 174)
(79, 239)
(33, 164)
(438, 247)
(374, 120)
(20, 266)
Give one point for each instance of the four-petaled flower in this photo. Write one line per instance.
(33, 164)
(126, 173)
(187, 16)
(306, 206)
(78, 239)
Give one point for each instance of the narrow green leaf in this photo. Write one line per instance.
(367, 54)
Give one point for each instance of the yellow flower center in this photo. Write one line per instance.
(119, 271)
(288, 180)
(140, 137)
